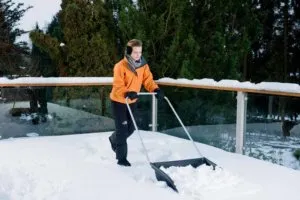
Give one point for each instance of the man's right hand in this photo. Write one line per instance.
(131, 95)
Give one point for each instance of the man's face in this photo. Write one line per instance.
(136, 53)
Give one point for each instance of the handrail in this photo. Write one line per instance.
(242, 88)
(55, 81)
(234, 89)
(223, 85)
(236, 86)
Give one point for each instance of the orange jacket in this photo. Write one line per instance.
(126, 80)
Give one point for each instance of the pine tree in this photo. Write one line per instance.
(80, 43)
(41, 64)
(51, 47)
(85, 46)
(295, 44)
(283, 48)
(163, 26)
(261, 48)
(11, 52)
(276, 52)
(191, 39)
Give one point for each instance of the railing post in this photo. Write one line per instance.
(241, 113)
(154, 113)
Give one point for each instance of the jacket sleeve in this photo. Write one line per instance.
(118, 81)
(148, 81)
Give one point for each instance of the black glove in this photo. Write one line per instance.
(159, 93)
(131, 95)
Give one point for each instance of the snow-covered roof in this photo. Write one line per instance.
(84, 167)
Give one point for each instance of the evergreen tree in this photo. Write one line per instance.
(41, 64)
(12, 53)
(51, 47)
(84, 47)
(164, 28)
(54, 29)
(45, 63)
(295, 43)
(275, 53)
(191, 39)
(279, 61)
(261, 48)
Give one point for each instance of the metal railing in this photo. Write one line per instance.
(242, 89)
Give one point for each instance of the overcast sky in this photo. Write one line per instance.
(41, 13)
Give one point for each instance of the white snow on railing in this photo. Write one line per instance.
(56, 80)
(233, 84)
(267, 86)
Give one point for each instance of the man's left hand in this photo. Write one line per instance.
(159, 93)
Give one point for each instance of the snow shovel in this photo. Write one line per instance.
(160, 174)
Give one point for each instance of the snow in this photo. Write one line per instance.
(275, 150)
(233, 84)
(83, 167)
(297, 74)
(32, 134)
(270, 86)
(56, 80)
(204, 183)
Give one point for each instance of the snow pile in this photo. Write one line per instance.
(205, 183)
(32, 134)
(29, 117)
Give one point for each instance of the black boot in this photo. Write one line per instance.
(35, 119)
(124, 162)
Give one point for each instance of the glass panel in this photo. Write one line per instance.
(272, 134)
(30, 111)
(273, 131)
(210, 116)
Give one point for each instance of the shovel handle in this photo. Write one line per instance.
(184, 128)
(146, 93)
(175, 113)
(136, 128)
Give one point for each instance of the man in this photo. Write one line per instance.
(130, 74)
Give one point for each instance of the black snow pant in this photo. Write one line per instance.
(38, 95)
(124, 127)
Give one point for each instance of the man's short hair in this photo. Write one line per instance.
(134, 43)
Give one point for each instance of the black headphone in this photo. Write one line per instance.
(128, 50)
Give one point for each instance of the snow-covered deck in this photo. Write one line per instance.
(84, 167)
